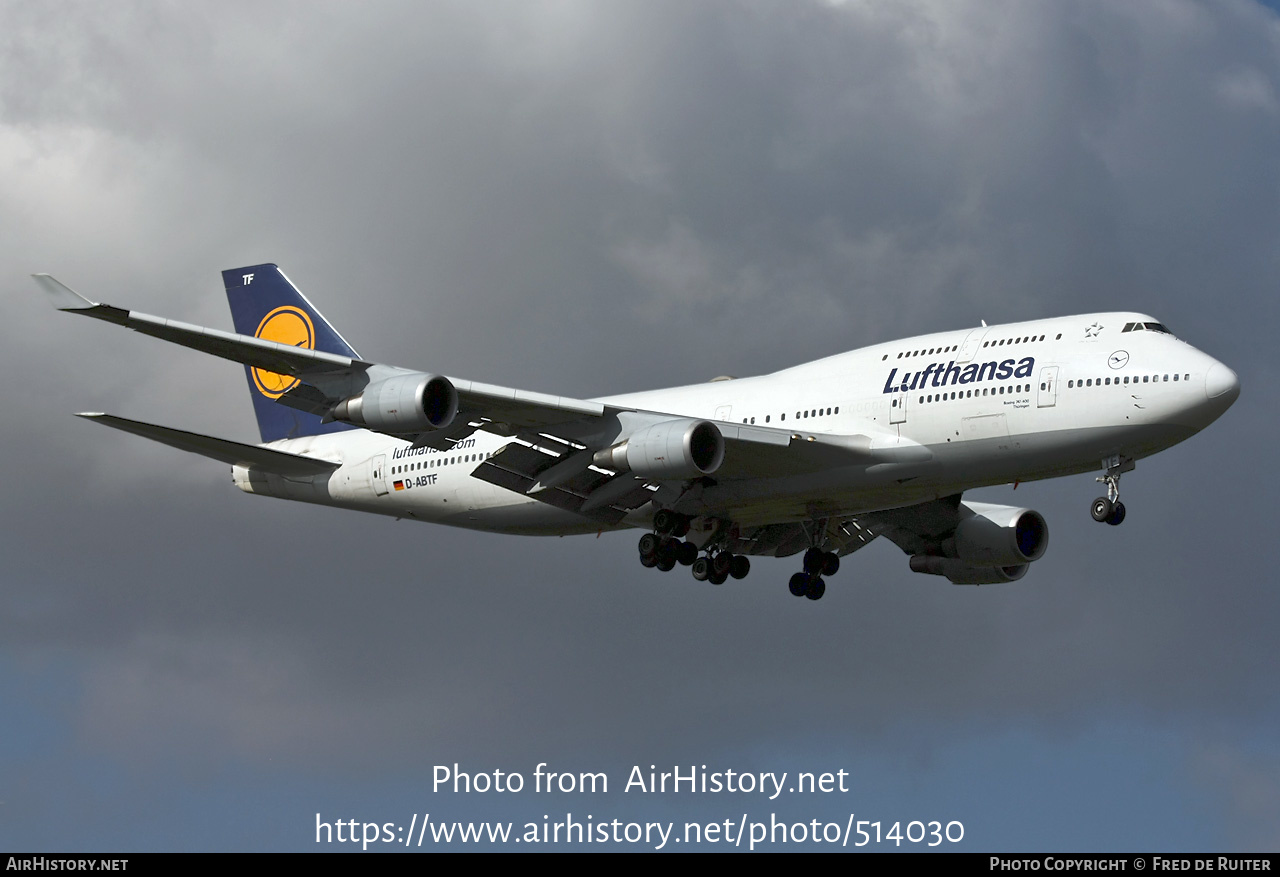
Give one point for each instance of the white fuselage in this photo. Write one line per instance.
(992, 405)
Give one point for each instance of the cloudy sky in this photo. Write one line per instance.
(586, 198)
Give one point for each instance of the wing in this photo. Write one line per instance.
(589, 457)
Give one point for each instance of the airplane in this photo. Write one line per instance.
(816, 460)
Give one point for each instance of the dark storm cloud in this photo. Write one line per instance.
(583, 199)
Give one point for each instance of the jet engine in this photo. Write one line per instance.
(672, 449)
(997, 535)
(401, 405)
(990, 545)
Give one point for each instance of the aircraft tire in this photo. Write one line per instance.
(798, 585)
(739, 566)
(717, 578)
(817, 587)
(721, 563)
(830, 563)
(1102, 509)
(648, 561)
(702, 569)
(667, 564)
(649, 545)
(687, 553)
(814, 560)
(664, 520)
(1117, 514)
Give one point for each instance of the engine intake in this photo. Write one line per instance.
(673, 449)
(401, 405)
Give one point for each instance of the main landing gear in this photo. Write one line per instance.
(1109, 509)
(809, 583)
(664, 549)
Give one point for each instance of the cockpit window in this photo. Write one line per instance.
(1138, 327)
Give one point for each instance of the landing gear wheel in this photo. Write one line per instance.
(720, 564)
(830, 564)
(798, 585)
(817, 587)
(1117, 515)
(1102, 509)
(648, 561)
(666, 564)
(739, 566)
(814, 561)
(670, 523)
(717, 578)
(702, 569)
(649, 545)
(687, 553)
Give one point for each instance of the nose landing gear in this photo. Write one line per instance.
(1109, 509)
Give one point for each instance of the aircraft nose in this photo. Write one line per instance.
(1221, 382)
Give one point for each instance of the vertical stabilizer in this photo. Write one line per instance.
(266, 304)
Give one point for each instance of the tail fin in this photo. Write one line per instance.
(266, 304)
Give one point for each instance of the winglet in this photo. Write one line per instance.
(64, 297)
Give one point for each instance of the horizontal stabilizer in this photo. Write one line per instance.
(233, 453)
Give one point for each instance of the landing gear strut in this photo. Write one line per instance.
(1109, 509)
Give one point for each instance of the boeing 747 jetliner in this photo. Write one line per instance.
(818, 459)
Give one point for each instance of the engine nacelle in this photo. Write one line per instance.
(673, 449)
(999, 536)
(961, 573)
(402, 405)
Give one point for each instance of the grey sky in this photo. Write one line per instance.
(591, 198)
